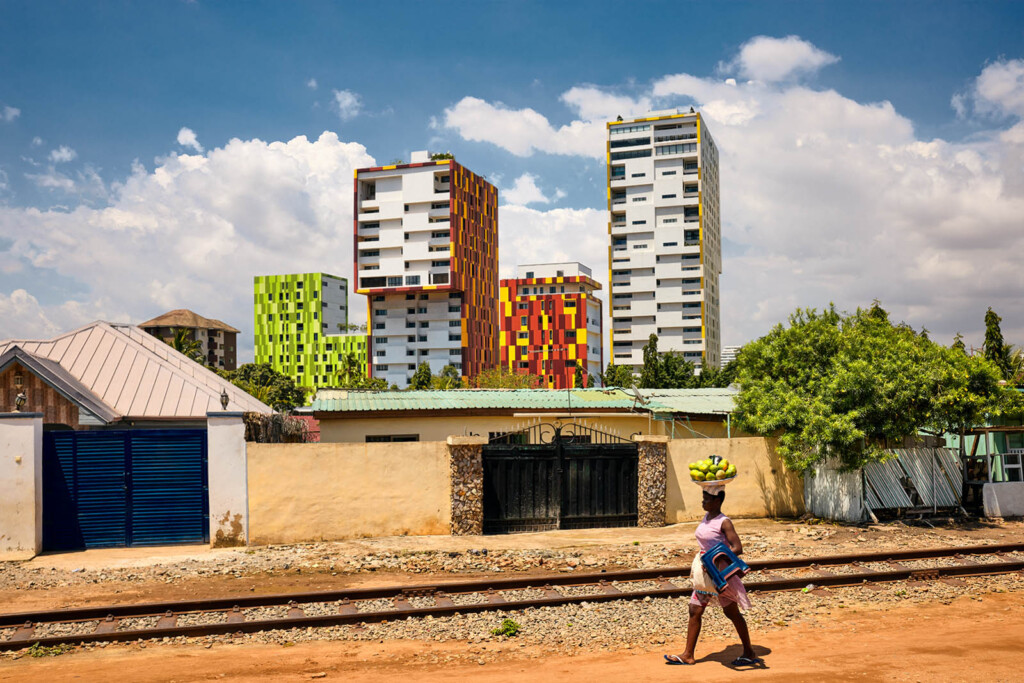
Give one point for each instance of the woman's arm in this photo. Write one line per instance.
(732, 537)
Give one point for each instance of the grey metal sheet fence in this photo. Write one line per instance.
(932, 473)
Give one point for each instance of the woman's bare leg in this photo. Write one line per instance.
(736, 617)
(692, 633)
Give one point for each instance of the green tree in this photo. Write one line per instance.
(617, 376)
(184, 342)
(577, 380)
(850, 386)
(958, 343)
(676, 372)
(261, 381)
(1015, 366)
(448, 378)
(438, 156)
(711, 378)
(503, 378)
(651, 374)
(422, 378)
(995, 348)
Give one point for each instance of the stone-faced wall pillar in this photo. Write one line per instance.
(465, 455)
(651, 480)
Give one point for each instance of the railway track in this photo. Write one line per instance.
(251, 613)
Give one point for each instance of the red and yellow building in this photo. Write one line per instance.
(551, 321)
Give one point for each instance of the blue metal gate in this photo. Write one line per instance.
(124, 488)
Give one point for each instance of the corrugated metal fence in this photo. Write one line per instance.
(917, 478)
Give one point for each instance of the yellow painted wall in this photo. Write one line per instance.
(440, 428)
(329, 491)
(763, 486)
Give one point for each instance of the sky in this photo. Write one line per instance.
(158, 155)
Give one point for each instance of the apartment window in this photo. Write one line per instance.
(410, 311)
(671, 220)
(454, 337)
(316, 294)
(440, 205)
(298, 306)
(270, 317)
(299, 327)
(631, 154)
(618, 172)
(454, 323)
(440, 264)
(639, 246)
(668, 196)
(379, 311)
(316, 316)
(378, 326)
(370, 282)
(522, 319)
(639, 199)
(454, 295)
(379, 340)
(406, 207)
(523, 335)
(411, 338)
(378, 298)
(330, 347)
(271, 340)
(380, 368)
(410, 325)
(455, 309)
(412, 279)
(676, 149)
(421, 338)
(439, 278)
(570, 304)
(668, 173)
(440, 233)
(630, 129)
(410, 352)
(629, 142)
(370, 252)
(522, 306)
(643, 222)
(638, 175)
(380, 354)
(424, 324)
(422, 309)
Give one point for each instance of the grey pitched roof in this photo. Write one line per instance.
(134, 374)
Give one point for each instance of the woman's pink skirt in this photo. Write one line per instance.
(734, 593)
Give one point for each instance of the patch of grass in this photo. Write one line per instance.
(37, 650)
(636, 542)
(508, 628)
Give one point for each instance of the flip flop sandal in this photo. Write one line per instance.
(747, 661)
(677, 660)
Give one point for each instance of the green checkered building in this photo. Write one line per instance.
(301, 327)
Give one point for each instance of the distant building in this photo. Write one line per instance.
(550, 322)
(666, 249)
(217, 340)
(301, 327)
(729, 354)
(426, 256)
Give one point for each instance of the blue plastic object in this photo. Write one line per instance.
(720, 577)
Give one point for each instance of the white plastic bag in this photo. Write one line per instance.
(701, 581)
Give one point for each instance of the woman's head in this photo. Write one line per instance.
(712, 502)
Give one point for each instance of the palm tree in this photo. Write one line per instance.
(185, 343)
(1015, 366)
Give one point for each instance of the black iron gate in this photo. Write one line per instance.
(559, 477)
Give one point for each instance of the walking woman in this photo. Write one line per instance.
(717, 528)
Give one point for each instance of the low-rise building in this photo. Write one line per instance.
(218, 341)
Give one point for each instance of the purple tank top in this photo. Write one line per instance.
(709, 532)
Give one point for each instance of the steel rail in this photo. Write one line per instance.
(348, 614)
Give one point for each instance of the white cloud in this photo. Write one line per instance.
(524, 191)
(824, 198)
(62, 154)
(523, 131)
(532, 236)
(8, 114)
(191, 233)
(998, 90)
(187, 138)
(52, 180)
(347, 104)
(767, 59)
(37, 141)
(311, 84)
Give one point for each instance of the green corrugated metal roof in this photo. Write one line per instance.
(691, 401)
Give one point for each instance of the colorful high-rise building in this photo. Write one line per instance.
(426, 257)
(666, 246)
(551, 323)
(301, 327)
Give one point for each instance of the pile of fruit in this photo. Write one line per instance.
(708, 470)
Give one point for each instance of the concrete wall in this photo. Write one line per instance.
(763, 487)
(1004, 499)
(355, 430)
(229, 498)
(831, 494)
(311, 492)
(21, 485)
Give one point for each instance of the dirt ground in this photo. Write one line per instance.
(970, 639)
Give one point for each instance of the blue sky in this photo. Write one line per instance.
(99, 177)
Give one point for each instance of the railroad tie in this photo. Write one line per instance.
(108, 625)
(168, 620)
(235, 615)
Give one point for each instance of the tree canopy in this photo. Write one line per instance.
(502, 378)
(261, 381)
(849, 386)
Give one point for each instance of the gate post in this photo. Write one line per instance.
(652, 474)
(21, 485)
(228, 482)
(465, 455)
